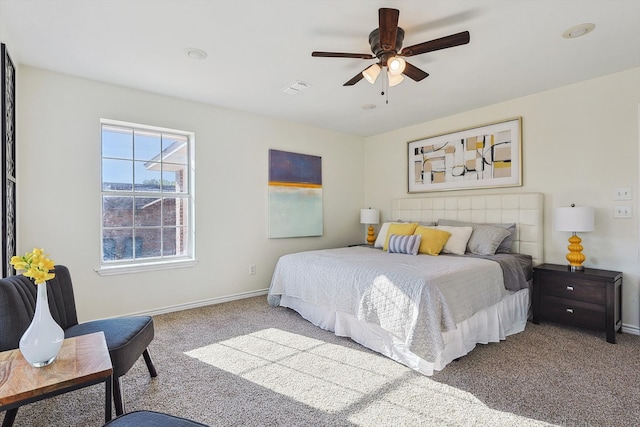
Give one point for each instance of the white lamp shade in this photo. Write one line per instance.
(574, 219)
(369, 216)
(371, 73)
(395, 80)
(396, 65)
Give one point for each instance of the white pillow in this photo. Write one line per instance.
(457, 243)
(382, 234)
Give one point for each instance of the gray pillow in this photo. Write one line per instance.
(485, 239)
(505, 246)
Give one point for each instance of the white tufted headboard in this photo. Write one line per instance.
(525, 209)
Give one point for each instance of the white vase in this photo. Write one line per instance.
(42, 340)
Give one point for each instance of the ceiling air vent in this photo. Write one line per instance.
(296, 87)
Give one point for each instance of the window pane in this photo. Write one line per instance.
(168, 241)
(148, 242)
(117, 142)
(148, 211)
(169, 211)
(182, 241)
(117, 175)
(113, 243)
(146, 179)
(117, 211)
(147, 145)
(175, 211)
(175, 178)
(175, 149)
(175, 241)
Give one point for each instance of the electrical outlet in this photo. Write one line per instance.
(252, 269)
(622, 193)
(622, 212)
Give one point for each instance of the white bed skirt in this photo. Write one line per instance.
(492, 324)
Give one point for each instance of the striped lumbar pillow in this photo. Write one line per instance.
(404, 244)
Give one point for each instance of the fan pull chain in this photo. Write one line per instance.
(382, 83)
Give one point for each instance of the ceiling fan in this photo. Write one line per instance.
(386, 42)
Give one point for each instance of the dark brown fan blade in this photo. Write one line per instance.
(355, 79)
(437, 44)
(388, 28)
(343, 55)
(414, 72)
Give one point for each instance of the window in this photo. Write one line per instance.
(147, 196)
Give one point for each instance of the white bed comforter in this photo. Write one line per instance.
(414, 298)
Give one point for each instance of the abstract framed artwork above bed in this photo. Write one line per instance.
(479, 157)
(423, 311)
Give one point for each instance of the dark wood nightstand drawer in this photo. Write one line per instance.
(572, 312)
(565, 286)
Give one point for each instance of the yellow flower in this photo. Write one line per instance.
(18, 263)
(35, 264)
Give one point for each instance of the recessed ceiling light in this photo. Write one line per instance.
(578, 30)
(195, 53)
(369, 107)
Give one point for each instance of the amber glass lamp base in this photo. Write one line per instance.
(575, 256)
(371, 238)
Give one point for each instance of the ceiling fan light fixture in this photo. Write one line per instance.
(386, 45)
(371, 73)
(396, 65)
(394, 79)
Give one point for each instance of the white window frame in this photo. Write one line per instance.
(157, 263)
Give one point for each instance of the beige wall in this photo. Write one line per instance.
(58, 153)
(580, 142)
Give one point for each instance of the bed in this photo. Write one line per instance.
(420, 310)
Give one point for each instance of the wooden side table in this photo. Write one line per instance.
(591, 298)
(82, 361)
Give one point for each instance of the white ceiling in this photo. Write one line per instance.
(256, 48)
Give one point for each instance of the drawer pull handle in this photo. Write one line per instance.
(570, 310)
(569, 287)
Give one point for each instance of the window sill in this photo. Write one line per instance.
(138, 268)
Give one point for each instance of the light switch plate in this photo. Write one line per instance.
(622, 212)
(622, 193)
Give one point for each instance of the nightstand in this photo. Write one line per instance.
(591, 298)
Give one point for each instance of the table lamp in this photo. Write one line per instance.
(370, 217)
(574, 219)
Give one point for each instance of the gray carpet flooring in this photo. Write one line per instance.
(245, 363)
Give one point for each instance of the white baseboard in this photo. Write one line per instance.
(630, 329)
(202, 303)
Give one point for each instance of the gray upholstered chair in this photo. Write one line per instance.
(151, 419)
(127, 337)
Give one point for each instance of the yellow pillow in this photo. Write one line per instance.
(401, 229)
(432, 240)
